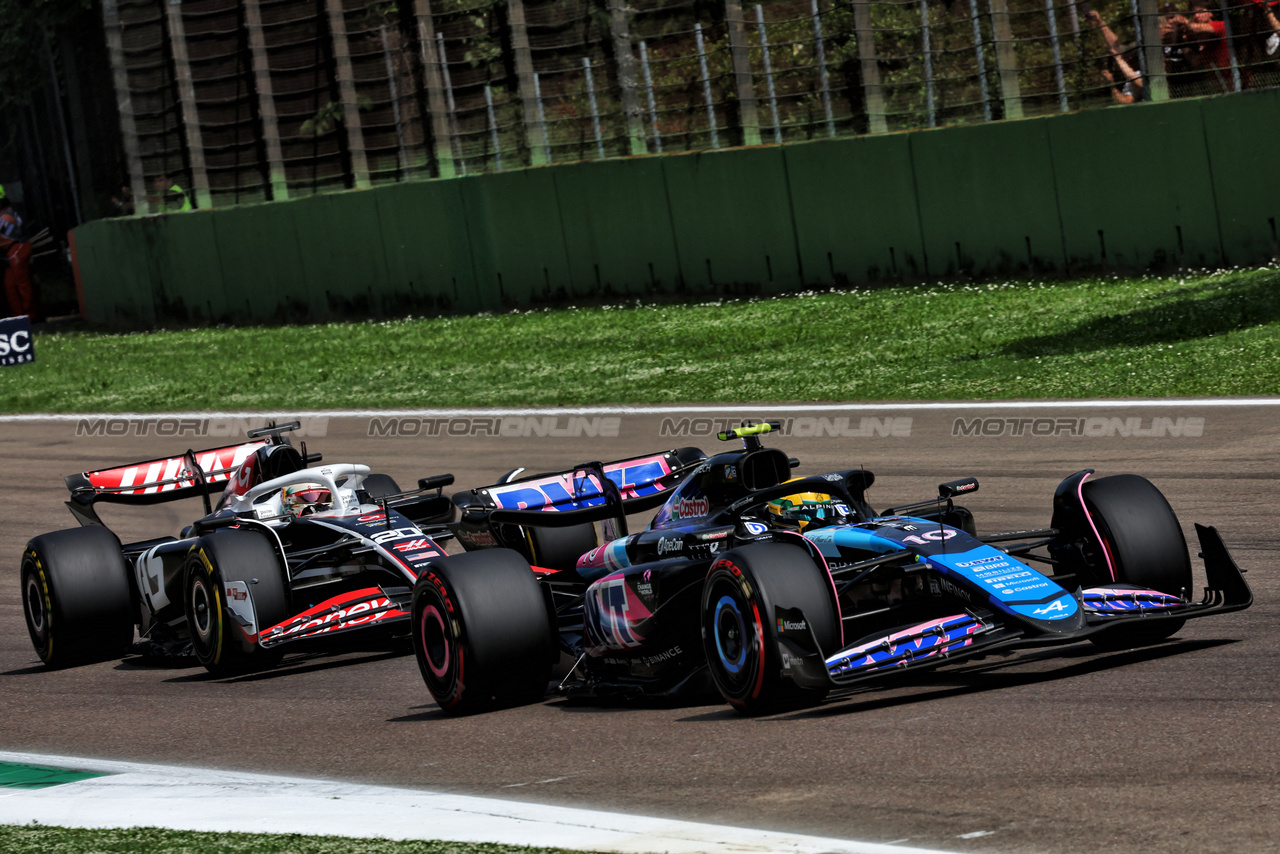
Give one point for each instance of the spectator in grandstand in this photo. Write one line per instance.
(1268, 11)
(1207, 39)
(1177, 52)
(1121, 69)
(16, 249)
(167, 196)
(123, 202)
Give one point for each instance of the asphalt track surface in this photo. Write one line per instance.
(1167, 748)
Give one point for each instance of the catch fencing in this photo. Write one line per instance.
(225, 102)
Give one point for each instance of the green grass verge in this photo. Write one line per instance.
(1206, 334)
(38, 839)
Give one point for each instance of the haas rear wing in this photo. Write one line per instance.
(193, 473)
(638, 483)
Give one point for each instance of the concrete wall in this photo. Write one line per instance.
(1181, 183)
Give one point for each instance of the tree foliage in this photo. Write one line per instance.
(24, 27)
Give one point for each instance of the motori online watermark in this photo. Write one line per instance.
(1092, 427)
(799, 427)
(505, 426)
(198, 428)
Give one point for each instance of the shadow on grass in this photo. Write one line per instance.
(1214, 308)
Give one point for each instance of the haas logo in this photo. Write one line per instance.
(244, 477)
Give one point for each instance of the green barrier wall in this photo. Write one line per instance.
(1154, 186)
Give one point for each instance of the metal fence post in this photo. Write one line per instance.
(347, 92)
(124, 104)
(542, 116)
(493, 127)
(535, 137)
(276, 174)
(1006, 60)
(982, 60)
(455, 138)
(653, 107)
(1231, 45)
(1057, 54)
(927, 49)
(435, 89)
(1152, 52)
(768, 74)
(619, 25)
(747, 113)
(706, 85)
(595, 109)
(872, 91)
(187, 97)
(821, 56)
(395, 102)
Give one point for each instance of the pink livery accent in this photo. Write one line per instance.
(1106, 552)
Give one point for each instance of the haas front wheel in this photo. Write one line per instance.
(482, 632)
(751, 598)
(1142, 545)
(76, 597)
(241, 566)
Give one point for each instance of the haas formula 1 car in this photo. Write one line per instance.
(293, 554)
(781, 589)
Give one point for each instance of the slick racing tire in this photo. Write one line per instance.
(482, 632)
(560, 548)
(740, 597)
(218, 640)
(1141, 535)
(76, 597)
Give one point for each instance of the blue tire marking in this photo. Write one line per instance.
(731, 666)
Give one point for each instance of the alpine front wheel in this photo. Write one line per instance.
(1143, 546)
(755, 601)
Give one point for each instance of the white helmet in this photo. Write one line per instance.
(304, 499)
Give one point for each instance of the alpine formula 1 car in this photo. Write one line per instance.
(778, 590)
(294, 555)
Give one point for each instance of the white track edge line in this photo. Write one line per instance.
(195, 799)
(779, 409)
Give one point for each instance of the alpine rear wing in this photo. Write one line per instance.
(637, 483)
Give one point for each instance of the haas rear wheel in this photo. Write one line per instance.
(1143, 546)
(76, 597)
(747, 592)
(482, 632)
(224, 633)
